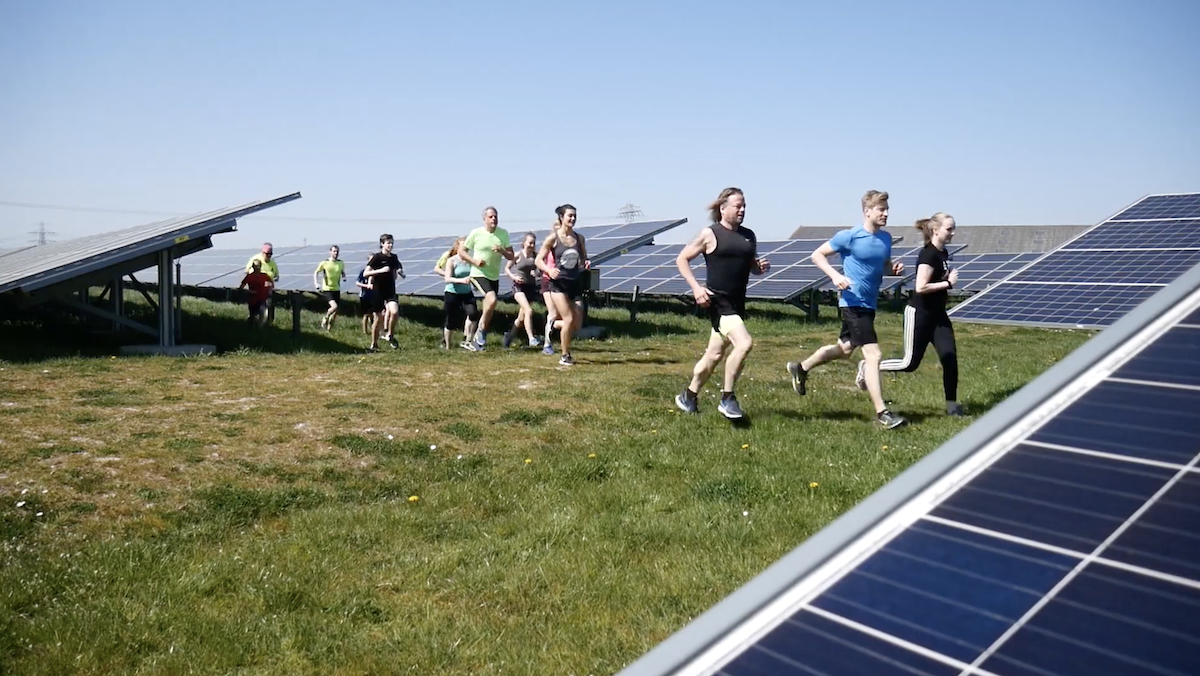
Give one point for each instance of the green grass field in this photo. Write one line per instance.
(303, 508)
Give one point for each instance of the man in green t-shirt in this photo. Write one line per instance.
(328, 278)
(487, 245)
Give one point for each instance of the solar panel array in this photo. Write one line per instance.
(225, 268)
(1099, 276)
(1062, 539)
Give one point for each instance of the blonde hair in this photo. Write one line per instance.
(873, 198)
(928, 225)
(714, 209)
(453, 250)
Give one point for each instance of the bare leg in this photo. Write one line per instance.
(742, 344)
(871, 357)
(828, 353)
(566, 318)
(708, 362)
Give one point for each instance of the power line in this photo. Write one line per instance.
(313, 219)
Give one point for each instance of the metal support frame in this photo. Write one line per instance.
(166, 291)
(116, 319)
(117, 301)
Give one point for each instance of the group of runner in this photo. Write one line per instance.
(730, 255)
(473, 264)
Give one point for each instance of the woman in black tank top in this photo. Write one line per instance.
(925, 318)
(566, 275)
(522, 270)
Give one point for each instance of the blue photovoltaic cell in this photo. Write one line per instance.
(1162, 206)
(1167, 536)
(1067, 500)
(1140, 235)
(810, 645)
(1086, 306)
(1131, 267)
(1140, 421)
(1107, 621)
(1174, 358)
(1075, 551)
(946, 589)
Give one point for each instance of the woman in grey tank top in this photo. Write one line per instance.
(522, 270)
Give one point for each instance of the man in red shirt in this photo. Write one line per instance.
(260, 285)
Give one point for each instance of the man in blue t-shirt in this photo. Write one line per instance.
(866, 253)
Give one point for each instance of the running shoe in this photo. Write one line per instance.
(506, 341)
(954, 408)
(729, 406)
(534, 342)
(686, 402)
(566, 360)
(393, 342)
(889, 420)
(548, 349)
(799, 376)
(468, 346)
(480, 339)
(861, 378)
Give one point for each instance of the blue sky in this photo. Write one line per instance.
(1018, 112)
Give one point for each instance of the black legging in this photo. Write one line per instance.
(920, 329)
(451, 304)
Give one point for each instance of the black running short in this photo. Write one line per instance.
(379, 301)
(721, 305)
(858, 326)
(571, 287)
(530, 289)
(335, 296)
(485, 285)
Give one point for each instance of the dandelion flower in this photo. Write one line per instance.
(813, 484)
(885, 447)
(745, 445)
(528, 460)
(590, 455)
(413, 498)
(653, 431)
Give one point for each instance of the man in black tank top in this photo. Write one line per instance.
(730, 255)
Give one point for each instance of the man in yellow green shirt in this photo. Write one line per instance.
(328, 278)
(487, 245)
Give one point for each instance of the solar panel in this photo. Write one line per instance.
(225, 268)
(1059, 535)
(1095, 278)
(979, 271)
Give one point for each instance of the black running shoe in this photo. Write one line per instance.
(729, 406)
(393, 342)
(799, 376)
(889, 420)
(686, 402)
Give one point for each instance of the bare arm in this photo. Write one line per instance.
(820, 258)
(702, 243)
(925, 271)
(540, 261)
